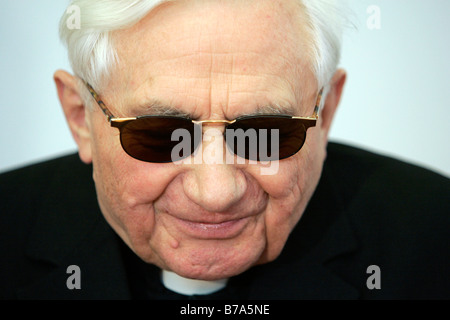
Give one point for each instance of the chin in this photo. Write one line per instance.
(213, 260)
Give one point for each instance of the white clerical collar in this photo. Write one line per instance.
(190, 287)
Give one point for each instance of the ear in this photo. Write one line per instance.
(332, 101)
(75, 112)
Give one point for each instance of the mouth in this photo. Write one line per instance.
(208, 231)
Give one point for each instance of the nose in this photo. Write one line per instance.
(215, 187)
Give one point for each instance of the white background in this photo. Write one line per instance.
(395, 101)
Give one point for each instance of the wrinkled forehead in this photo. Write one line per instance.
(188, 22)
(206, 39)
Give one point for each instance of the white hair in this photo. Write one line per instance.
(327, 20)
(92, 54)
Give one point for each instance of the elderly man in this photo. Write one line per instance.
(317, 220)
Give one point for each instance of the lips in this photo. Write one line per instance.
(211, 230)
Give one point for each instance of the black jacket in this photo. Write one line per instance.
(367, 210)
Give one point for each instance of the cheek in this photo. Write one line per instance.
(127, 188)
(123, 180)
(289, 193)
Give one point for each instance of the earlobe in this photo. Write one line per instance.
(75, 112)
(332, 100)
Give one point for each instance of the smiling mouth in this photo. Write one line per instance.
(202, 230)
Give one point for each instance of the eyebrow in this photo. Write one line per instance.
(156, 107)
(273, 109)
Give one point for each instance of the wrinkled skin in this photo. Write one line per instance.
(212, 60)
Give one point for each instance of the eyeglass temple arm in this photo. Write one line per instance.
(99, 102)
(318, 101)
(315, 114)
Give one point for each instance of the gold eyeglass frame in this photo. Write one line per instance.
(118, 122)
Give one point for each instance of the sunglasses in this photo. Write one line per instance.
(150, 138)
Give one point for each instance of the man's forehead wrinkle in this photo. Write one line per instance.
(273, 27)
(244, 55)
(195, 39)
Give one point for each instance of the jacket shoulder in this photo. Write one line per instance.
(389, 188)
(357, 168)
(25, 187)
(27, 194)
(399, 214)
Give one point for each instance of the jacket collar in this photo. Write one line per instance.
(308, 277)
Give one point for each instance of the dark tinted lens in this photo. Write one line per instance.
(150, 138)
(266, 138)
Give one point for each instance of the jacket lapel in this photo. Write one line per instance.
(308, 277)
